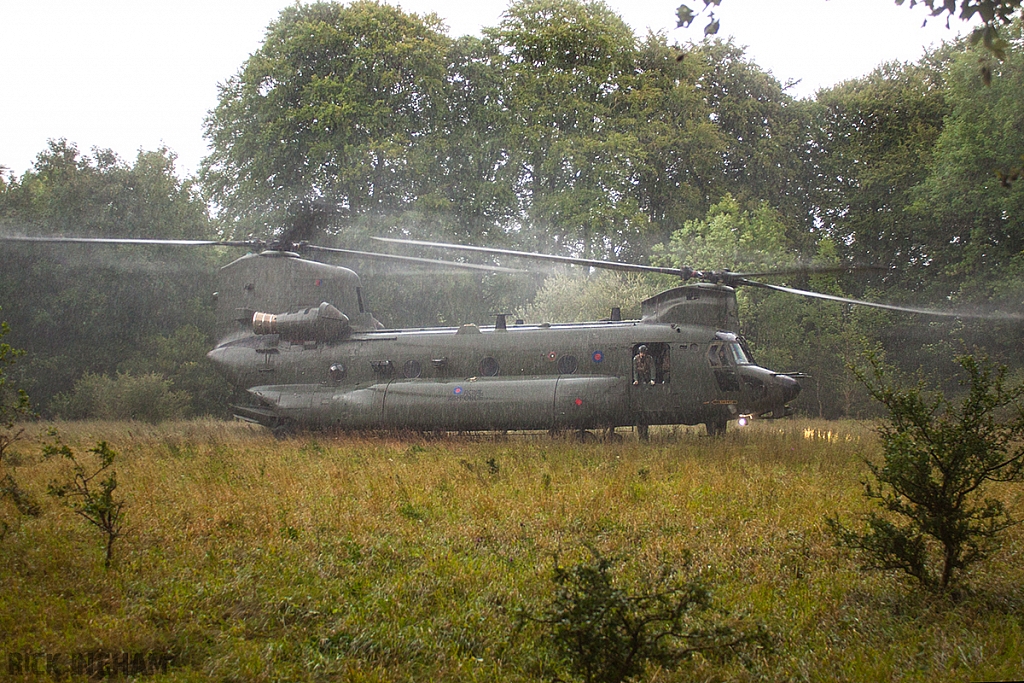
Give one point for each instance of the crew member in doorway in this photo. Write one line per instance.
(643, 366)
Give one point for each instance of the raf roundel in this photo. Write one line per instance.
(597, 356)
(457, 391)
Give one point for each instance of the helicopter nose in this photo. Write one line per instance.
(789, 387)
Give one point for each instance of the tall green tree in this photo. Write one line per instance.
(681, 165)
(89, 308)
(762, 125)
(566, 65)
(333, 106)
(873, 144)
(975, 213)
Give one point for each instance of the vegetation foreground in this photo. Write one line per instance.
(396, 558)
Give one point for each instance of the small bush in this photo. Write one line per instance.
(95, 505)
(14, 405)
(937, 458)
(148, 398)
(14, 410)
(607, 634)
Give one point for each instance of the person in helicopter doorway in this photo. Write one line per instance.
(643, 366)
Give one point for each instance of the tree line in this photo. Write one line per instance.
(558, 131)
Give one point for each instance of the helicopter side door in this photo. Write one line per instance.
(723, 366)
(651, 396)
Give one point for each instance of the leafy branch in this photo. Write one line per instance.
(90, 499)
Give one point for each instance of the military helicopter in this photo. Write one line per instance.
(297, 337)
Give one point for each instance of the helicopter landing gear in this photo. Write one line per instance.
(283, 429)
(585, 436)
(610, 436)
(716, 427)
(643, 432)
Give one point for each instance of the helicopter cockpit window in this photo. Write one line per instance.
(722, 359)
(716, 356)
(739, 354)
(651, 364)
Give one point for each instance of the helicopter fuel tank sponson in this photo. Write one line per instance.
(323, 323)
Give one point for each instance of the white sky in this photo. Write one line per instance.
(136, 74)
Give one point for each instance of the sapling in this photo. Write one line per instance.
(92, 500)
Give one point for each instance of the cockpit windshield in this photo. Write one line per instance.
(739, 354)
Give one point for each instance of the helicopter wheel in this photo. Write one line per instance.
(716, 427)
(283, 429)
(585, 436)
(643, 432)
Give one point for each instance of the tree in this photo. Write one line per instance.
(578, 297)
(89, 308)
(938, 457)
(566, 67)
(974, 213)
(334, 106)
(873, 143)
(681, 167)
(762, 126)
(993, 13)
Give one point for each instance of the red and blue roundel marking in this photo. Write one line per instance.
(597, 356)
(457, 391)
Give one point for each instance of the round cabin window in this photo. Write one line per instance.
(411, 369)
(337, 372)
(567, 365)
(489, 367)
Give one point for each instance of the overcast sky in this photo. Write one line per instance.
(137, 74)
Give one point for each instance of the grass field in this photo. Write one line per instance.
(393, 558)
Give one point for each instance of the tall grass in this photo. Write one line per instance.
(386, 558)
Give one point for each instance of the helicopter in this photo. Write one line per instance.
(297, 337)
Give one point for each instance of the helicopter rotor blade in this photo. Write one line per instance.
(686, 273)
(572, 260)
(809, 270)
(369, 255)
(131, 240)
(888, 307)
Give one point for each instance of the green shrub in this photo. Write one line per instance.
(937, 458)
(148, 398)
(607, 634)
(14, 405)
